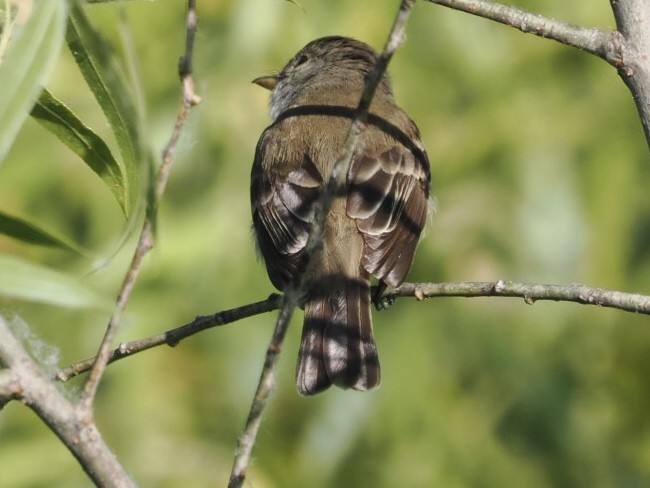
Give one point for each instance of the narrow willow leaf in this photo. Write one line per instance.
(63, 123)
(27, 65)
(131, 64)
(27, 281)
(22, 230)
(100, 68)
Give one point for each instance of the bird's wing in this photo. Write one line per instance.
(388, 197)
(282, 196)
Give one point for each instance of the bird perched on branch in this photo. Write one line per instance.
(372, 228)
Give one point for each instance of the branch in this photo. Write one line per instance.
(174, 336)
(626, 48)
(265, 388)
(24, 380)
(633, 22)
(586, 295)
(147, 239)
(334, 186)
(529, 292)
(8, 386)
(594, 41)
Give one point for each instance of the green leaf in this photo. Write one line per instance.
(63, 123)
(27, 65)
(27, 232)
(102, 72)
(27, 281)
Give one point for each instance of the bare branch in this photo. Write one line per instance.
(8, 386)
(633, 22)
(337, 182)
(173, 336)
(265, 388)
(147, 239)
(629, 302)
(24, 380)
(626, 48)
(529, 292)
(594, 41)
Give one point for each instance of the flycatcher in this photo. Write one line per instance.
(372, 229)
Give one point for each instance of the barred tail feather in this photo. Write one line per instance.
(338, 345)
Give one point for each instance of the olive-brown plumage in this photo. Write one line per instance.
(371, 230)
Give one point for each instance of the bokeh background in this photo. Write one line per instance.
(540, 173)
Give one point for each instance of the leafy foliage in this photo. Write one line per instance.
(63, 123)
(20, 279)
(27, 64)
(33, 234)
(103, 74)
(30, 58)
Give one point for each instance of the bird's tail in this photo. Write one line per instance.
(338, 346)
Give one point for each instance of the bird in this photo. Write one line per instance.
(373, 227)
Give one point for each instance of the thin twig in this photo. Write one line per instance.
(336, 182)
(530, 292)
(146, 240)
(174, 336)
(265, 388)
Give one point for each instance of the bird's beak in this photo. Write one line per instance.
(267, 82)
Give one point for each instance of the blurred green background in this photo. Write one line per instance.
(540, 172)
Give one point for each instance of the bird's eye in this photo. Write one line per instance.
(302, 59)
